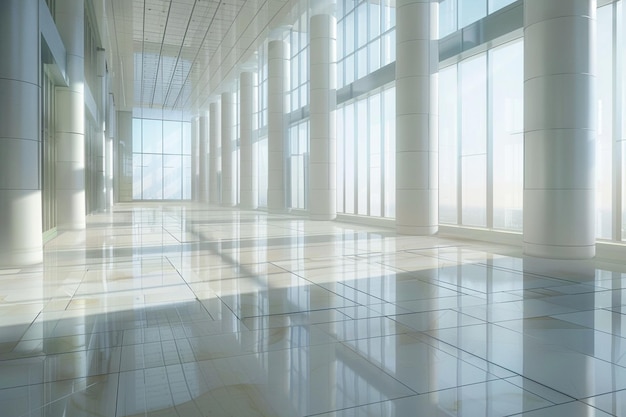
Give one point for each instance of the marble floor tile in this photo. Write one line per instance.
(191, 310)
(492, 398)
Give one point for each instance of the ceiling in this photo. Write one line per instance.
(178, 54)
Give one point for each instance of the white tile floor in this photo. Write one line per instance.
(184, 310)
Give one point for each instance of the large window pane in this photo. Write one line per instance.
(172, 177)
(448, 149)
(375, 156)
(152, 136)
(152, 177)
(447, 17)
(137, 135)
(349, 149)
(507, 123)
(474, 140)
(362, 24)
(172, 137)
(187, 138)
(137, 169)
(471, 11)
(498, 4)
(474, 190)
(187, 177)
(349, 25)
(389, 109)
(262, 171)
(158, 171)
(474, 105)
(604, 138)
(362, 161)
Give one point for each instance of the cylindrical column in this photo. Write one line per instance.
(229, 199)
(20, 192)
(278, 84)
(203, 158)
(417, 181)
(323, 140)
(70, 166)
(215, 135)
(559, 128)
(248, 163)
(195, 159)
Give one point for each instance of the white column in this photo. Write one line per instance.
(229, 188)
(323, 140)
(278, 85)
(123, 177)
(215, 135)
(559, 128)
(203, 160)
(20, 192)
(195, 159)
(248, 163)
(100, 191)
(417, 182)
(109, 172)
(70, 124)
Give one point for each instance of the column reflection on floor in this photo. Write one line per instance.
(194, 310)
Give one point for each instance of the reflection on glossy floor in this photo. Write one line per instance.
(169, 310)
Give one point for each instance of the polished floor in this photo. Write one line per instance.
(184, 310)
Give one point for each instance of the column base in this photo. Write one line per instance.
(560, 252)
(20, 258)
(416, 230)
(323, 217)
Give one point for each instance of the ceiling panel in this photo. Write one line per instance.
(175, 53)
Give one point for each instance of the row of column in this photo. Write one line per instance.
(559, 127)
(21, 241)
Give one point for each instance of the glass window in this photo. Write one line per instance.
(471, 11)
(172, 177)
(495, 5)
(604, 138)
(152, 177)
(187, 138)
(262, 171)
(350, 155)
(152, 136)
(158, 171)
(448, 149)
(374, 9)
(362, 160)
(507, 125)
(375, 156)
(474, 190)
(362, 24)
(474, 140)
(374, 54)
(137, 135)
(137, 168)
(447, 17)
(172, 137)
(474, 105)
(389, 109)
(361, 64)
(350, 47)
(187, 177)
(349, 69)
